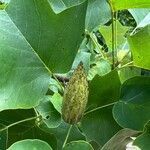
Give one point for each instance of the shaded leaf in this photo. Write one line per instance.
(143, 141)
(50, 116)
(3, 137)
(61, 131)
(99, 125)
(132, 111)
(76, 145)
(104, 90)
(120, 140)
(95, 145)
(25, 130)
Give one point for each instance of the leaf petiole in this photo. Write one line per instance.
(68, 133)
(99, 108)
(18, 122)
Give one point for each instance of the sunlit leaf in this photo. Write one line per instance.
(139, 45)
(121, 4)
(30, 144)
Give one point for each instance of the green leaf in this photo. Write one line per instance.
(50, 116)
(120, 140)
(54, 86)
(145, 21)
(61, 5)
(56, 100)
(139, 14)
(32, 132)
(95, 145)
(3, 137)
(5, 1)
(121, 4)
(142, 141)
(101, 67)
(55, 36)
(99, 125)
(132, 111)
(25, 130)
(30, 144)
(61, 131)
(84, 57)
(128, 72)
(76, 145)
(2, 5)
(106, 31)
(23, 77)
(98, 13)
(104, 90)
(139, 45)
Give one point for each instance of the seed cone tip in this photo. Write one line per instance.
(80, 66)
(80, 63)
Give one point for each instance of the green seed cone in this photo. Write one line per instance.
(75, 96)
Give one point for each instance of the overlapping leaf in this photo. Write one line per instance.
(23, 77)
(143, 141)
(140, 51)
(132, 111)
(30, 144)
(121, 4)
(24, 130)
(50, 116)
(75, 145)
(98, 124)
(98, 13)
(120, 140)
(33, 38)
(61, 131)
(61, 5)
(104, 90)
(53, 37)
(139, 14)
